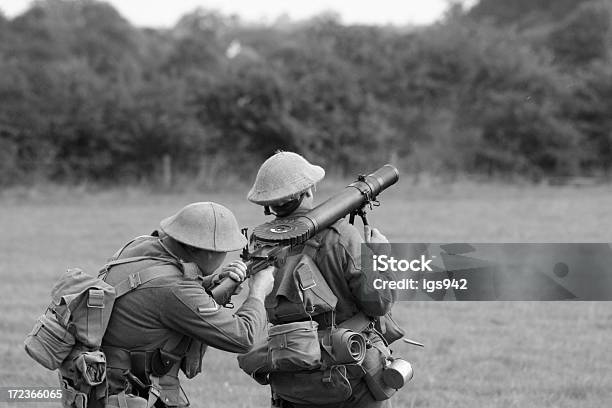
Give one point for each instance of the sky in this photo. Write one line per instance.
(165, 13)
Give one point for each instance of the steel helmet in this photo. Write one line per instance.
(205, 225)
(282, 177)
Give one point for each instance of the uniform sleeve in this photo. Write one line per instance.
(188, 309)
(372, 302)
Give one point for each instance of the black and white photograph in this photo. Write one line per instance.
(313, 204)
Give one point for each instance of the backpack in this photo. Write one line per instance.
(78, 313)
(300, 290)
(68, 336)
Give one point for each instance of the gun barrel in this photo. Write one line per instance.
(296, 230)
(354, 196)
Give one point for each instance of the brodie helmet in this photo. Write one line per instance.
(205, 225)
(282, 177)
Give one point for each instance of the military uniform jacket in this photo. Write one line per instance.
(151, 315)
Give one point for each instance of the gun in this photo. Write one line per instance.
(271, 242)
(256, 260)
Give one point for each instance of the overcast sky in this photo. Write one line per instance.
(162, 13)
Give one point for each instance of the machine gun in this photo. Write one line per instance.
(272, 241)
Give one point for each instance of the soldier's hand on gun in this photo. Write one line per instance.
(373, 236)
(262, 282)
(236, 270)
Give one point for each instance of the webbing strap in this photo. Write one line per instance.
(305, 275)
(382, 348)
(136, 279)
(306, 278)
(311, 247)
(154, 392)
(139, 258)
(95, 307)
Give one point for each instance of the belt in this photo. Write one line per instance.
(142, 363)
(139, 369)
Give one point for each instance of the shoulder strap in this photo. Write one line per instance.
(311, 247)
(114, 260)
(122, 261)
(141, 277)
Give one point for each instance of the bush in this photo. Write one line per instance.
(86, 96)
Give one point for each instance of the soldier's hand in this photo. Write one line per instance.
(262, 282)
(373, 236)
(235, 270)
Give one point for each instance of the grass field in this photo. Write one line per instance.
(488, 354)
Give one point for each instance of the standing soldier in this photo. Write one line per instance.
(165, 324)
(285, 186)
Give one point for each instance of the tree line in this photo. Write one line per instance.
(502, 89)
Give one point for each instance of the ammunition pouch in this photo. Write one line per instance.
(49, 343)
(162, 362)
(332, 385)
(191, 364)
(294, 346)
